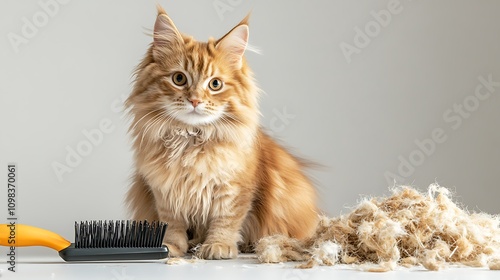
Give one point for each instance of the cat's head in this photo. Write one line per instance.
(186, 83)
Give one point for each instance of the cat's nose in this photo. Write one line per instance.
(195, 102)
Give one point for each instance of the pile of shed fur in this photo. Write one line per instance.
(408, 228)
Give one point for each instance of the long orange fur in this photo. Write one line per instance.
(222, 180)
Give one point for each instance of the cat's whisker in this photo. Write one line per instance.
(167, 120)
(231, 120)
(219, 126)
(233, 117)
(226, 125)
(137, 122)
(143, 129)
(150, 123)
(156, 122)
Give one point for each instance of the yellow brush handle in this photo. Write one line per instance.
(31, 236)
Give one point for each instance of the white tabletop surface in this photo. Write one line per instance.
(245, 267)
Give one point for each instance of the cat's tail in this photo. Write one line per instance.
(140, 200)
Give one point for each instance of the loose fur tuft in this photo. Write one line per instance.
(408, 228)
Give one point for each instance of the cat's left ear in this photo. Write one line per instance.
(235, 42)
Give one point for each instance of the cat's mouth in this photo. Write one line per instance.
(195, 112)
(196, 117)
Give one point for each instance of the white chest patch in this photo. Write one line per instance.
(192, 179)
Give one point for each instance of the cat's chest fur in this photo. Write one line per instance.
(193, 175)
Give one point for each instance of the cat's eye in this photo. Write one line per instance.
(215, 84)
(179, 79)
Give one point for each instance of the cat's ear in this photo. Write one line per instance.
(235, 42)
(166, 35)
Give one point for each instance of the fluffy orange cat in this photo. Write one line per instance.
(203, 163)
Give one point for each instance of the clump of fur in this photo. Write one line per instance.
(408, 228)
(280, 248)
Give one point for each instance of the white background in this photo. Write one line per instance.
(357, 119)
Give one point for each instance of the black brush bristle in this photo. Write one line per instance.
(119, 234)
(117, 241)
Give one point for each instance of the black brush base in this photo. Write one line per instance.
(72, 254)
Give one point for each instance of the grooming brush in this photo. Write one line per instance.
(95, 240)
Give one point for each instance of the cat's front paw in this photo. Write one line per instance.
(217, 251)
(176, 250)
